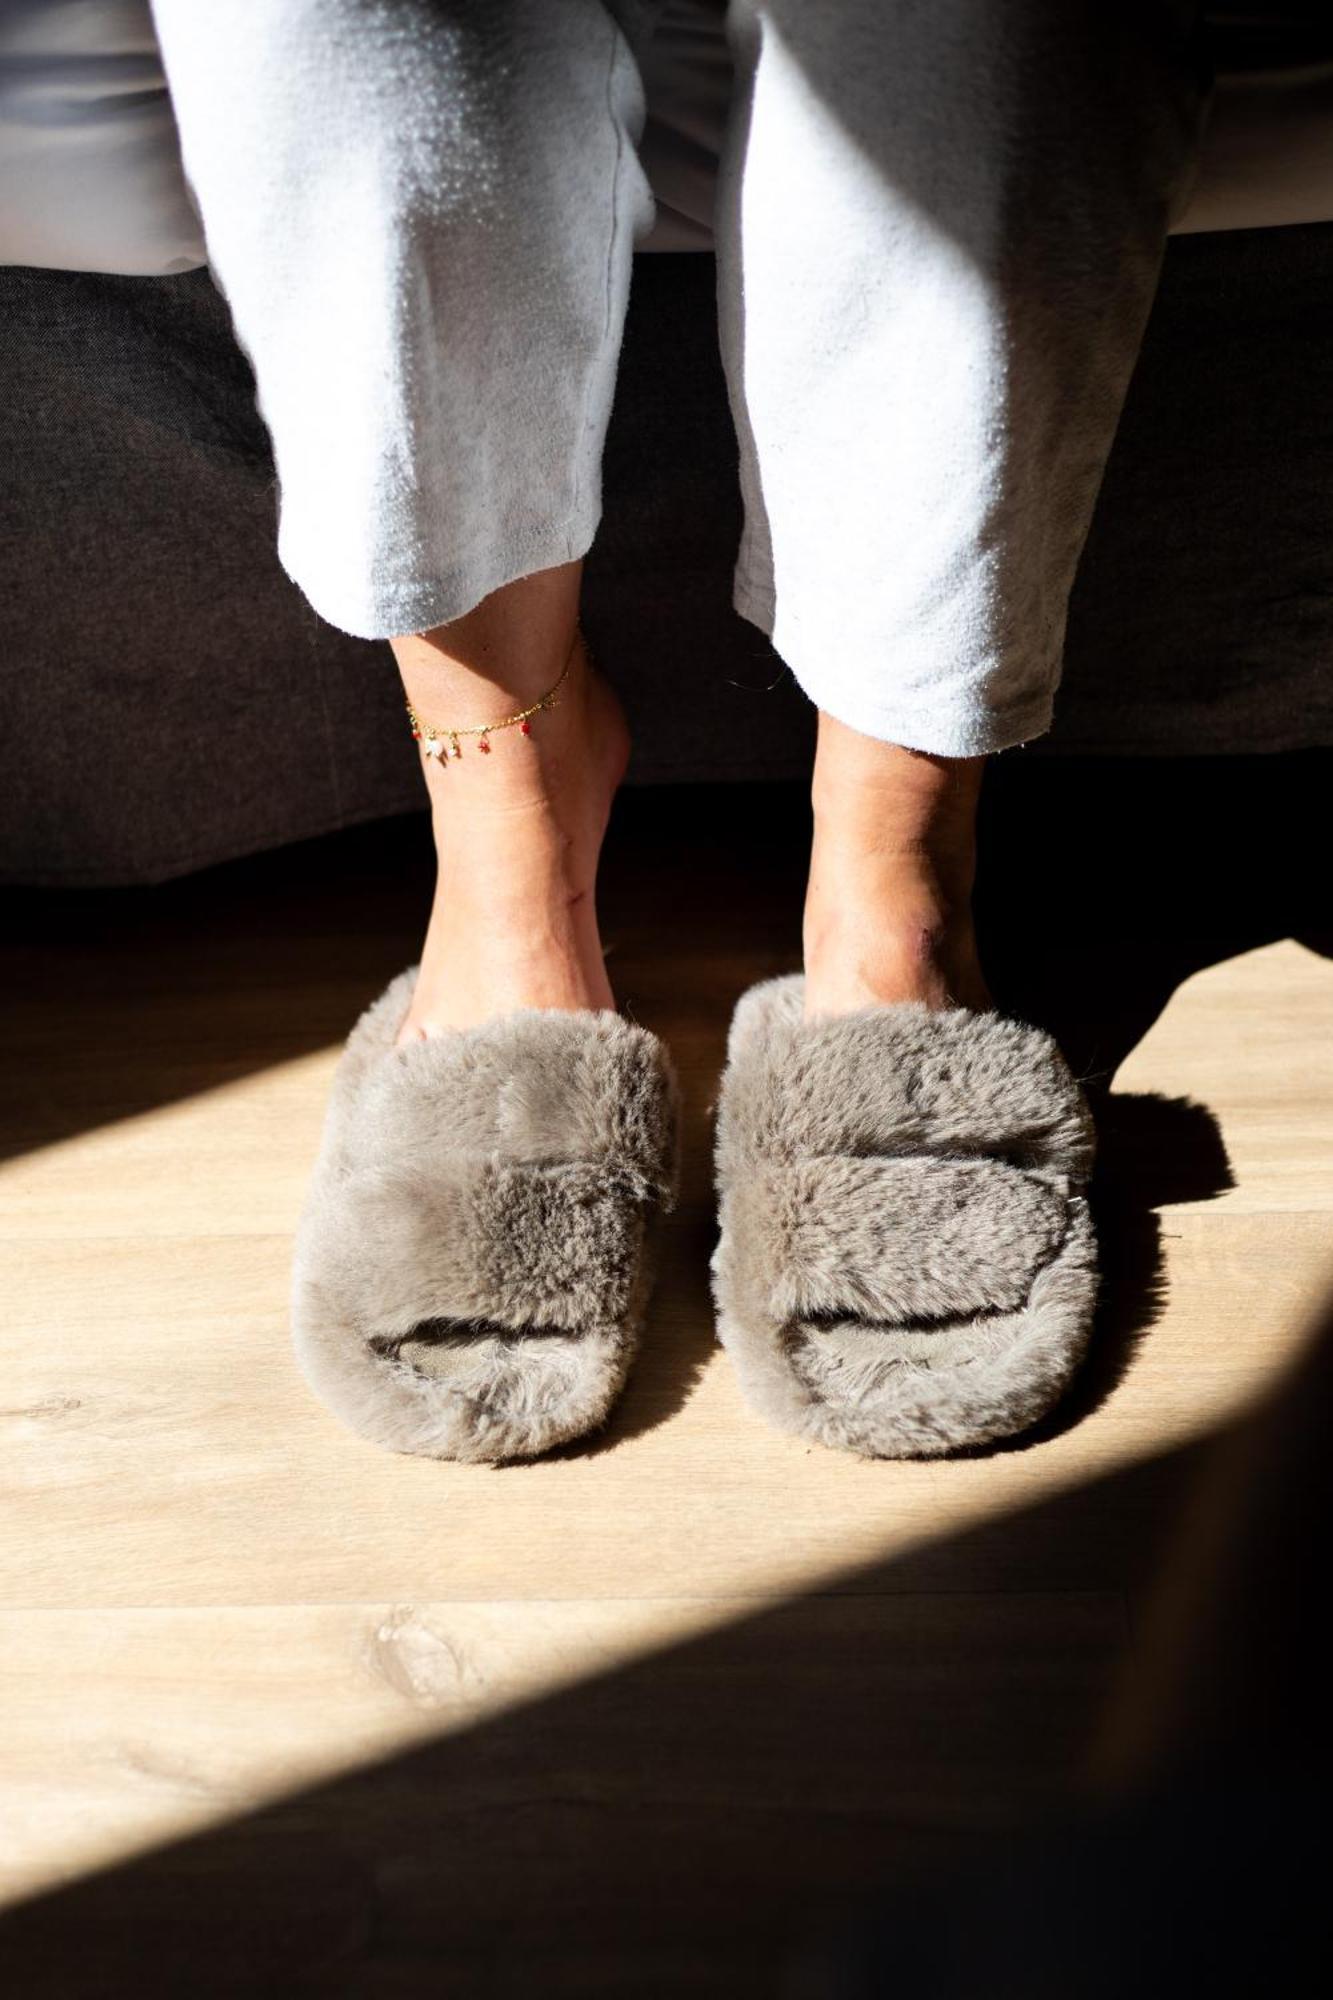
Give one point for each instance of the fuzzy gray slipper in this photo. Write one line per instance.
(906, 1262)
(472, 1263)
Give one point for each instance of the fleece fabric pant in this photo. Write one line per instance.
(939, 226)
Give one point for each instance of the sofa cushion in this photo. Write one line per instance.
(89, 163)
(1267, 157)
(91, 166)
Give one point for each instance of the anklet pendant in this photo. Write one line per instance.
(443, 744)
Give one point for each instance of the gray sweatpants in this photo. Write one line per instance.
(939, 227)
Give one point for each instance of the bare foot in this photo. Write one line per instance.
(888, 908)
(518, 831)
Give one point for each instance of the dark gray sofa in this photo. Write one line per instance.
(168, 699)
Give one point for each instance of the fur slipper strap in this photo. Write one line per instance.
(898, 1082)
(535, 1088)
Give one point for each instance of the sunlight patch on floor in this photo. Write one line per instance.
(206, 1163)
(131, 1731)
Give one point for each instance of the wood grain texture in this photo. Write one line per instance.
(693, 1666)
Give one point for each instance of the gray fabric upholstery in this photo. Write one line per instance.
(169, 700)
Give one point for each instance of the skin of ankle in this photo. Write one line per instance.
(886, 799)
(504, 653)
(891, 808)
(888, 910)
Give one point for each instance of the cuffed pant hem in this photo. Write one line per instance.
(419, 607)
(971, 731)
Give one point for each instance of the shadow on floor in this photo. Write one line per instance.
(1196, 1864)
(700, 1820)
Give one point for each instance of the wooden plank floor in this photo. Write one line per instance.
(635, 1717)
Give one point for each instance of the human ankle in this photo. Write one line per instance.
(555, 782)
(883, 948)
(518, 838)
(888, 907)
(928, 831)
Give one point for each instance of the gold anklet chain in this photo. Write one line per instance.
(441, 743)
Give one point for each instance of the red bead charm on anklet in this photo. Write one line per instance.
(525, 729)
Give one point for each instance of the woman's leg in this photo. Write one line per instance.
(939, 234)
(422, 213)
(518, 829)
